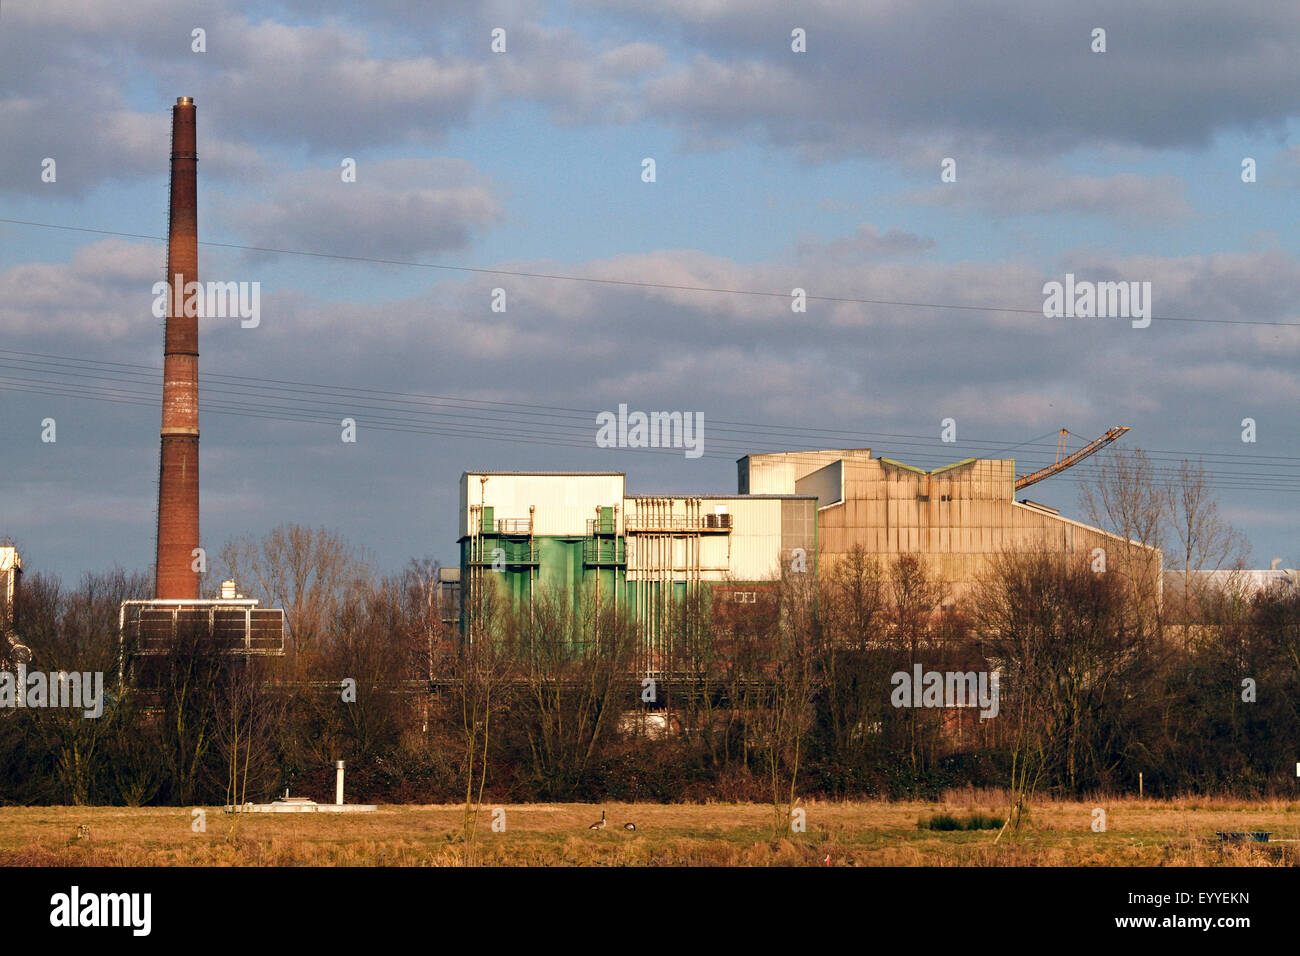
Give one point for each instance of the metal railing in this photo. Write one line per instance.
(604, 552)
(678, 523)
(514, 525)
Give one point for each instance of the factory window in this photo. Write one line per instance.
(745, 597)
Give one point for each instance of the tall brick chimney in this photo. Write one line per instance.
(178, 474)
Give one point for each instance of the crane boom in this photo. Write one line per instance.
(1024, 481)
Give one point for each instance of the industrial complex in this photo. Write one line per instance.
(527, 534)
(583, 532)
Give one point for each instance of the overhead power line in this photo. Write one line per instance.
(1218, 480)
(530, 423)
(630, 283)
(251, 384)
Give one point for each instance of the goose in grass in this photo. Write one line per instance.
(629, 826)
(601, 824)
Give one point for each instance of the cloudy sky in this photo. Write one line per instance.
(522, 170)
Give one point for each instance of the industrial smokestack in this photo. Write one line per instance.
(178, 474)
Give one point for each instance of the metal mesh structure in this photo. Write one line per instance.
(232, 627)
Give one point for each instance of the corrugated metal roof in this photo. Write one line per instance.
(807, 453)
(680, 497)
(900, 464)
(921, 471)
(551, 474)
(955, 464)
(1079, 524)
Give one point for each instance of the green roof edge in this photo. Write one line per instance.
(899, 464)
(922, 471)
(955, 464)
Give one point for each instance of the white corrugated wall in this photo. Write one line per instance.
(563, 503)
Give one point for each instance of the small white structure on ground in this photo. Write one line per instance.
(288, 804)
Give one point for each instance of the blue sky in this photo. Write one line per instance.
(775, 169)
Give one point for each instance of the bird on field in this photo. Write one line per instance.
(629, 826)
(83, 832)
(601, 824)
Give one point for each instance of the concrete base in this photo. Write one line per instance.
(301, 805)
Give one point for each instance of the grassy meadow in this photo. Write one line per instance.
(1138, 833)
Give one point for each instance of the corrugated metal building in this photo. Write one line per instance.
(581, 532)
(1239, 582)
(957, 517)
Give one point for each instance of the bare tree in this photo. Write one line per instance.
(1128, 499)
(480, 668)
(697, 659)
(1205, 540)
(188, 679)
(576, 663)
(306, 571)
(246, 727)
(912, 611)
(363, 644)
(1066, 648)
(853, 665)
(427, 634)
(78, 633)
(785, 714)
(479, 687)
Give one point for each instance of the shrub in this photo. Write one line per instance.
(972, 821)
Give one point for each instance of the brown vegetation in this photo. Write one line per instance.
(788, 703)
(1139, 833)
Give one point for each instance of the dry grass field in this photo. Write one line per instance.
(1138, 833)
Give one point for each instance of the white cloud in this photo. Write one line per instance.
(399, 208)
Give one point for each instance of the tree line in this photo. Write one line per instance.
(1098, 682)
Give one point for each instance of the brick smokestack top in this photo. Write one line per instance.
(178, 474)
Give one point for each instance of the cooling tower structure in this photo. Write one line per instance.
(178, 470)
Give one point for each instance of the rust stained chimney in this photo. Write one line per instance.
(178, 475)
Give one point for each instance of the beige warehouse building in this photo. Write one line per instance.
(957, 517)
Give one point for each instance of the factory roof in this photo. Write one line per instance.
(548, 474)
(933, 471)
(808, 453)
(719, 497)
